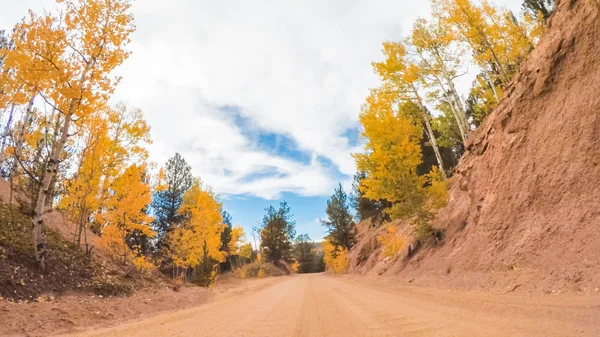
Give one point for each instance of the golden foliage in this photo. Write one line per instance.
(246, 251)
(391, 242)
(143, 264)
(199, 238)
(295, 266)
(124, 214)
(336, 258)
(237, 238)
(393, 152)
(256, 269)
(437, 192)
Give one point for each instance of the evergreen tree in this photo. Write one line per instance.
(277, 232)
(340, 224)
(305, 254)
(366, 208)
(539, 7)
(166, 203)
(225, 238)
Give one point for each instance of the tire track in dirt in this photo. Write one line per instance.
(323, 306)
(380, 317)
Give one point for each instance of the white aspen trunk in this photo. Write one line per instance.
(430, 133)
(459, 121)
(489, 46)
(21, 136)
(462, 113)
(456, 113)
(51, 169)
(433, 142)
(6, 132)
(491, 84)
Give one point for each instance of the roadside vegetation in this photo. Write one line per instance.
(65, 144)
(416, 125)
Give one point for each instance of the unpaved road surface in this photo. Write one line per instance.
(320, 305)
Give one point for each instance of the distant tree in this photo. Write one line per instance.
(166, 202)
(277, 232)
(539, 7)
(304, 253)
(225, 238)
(340, 224)
(319, 262)
(195, 243)
(234, 247)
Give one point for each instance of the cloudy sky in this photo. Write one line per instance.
(261, 97)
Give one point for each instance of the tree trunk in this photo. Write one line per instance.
(433, 142)
(489, 46)
(430, 133)
(51, 169)
(51, 192)
(21, 137)
(462, 113)
(6, 132)
(50, 200)
(455, 112)
(491, 84)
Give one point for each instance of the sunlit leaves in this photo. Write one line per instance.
(336, 258)
(199, 238)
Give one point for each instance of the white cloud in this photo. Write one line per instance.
(298, 68)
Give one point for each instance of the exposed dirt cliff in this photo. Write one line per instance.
(524, 208)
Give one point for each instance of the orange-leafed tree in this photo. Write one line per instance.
(67, 60)
(124, 212)
(236, 241)
(196, 242)
(439, 58)
(112, 138)
(402, 80)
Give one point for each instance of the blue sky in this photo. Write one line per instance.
(261, 97)
(249, 211)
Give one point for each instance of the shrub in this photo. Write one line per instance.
(109, 287)
(336, 258)
(437, 192)
(391, 242)
(206, 274)
(143, 265)
(257, 269)
(295, 266)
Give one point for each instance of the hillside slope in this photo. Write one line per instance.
(524, 205)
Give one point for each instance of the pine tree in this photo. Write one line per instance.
(537, 8)
(304, 253)
(366, 208)
(277, 232)
(166, 202)
(225, 238)
(340, 225)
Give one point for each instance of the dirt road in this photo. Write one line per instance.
(320, 305)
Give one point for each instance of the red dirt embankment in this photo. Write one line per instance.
(524, 208)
